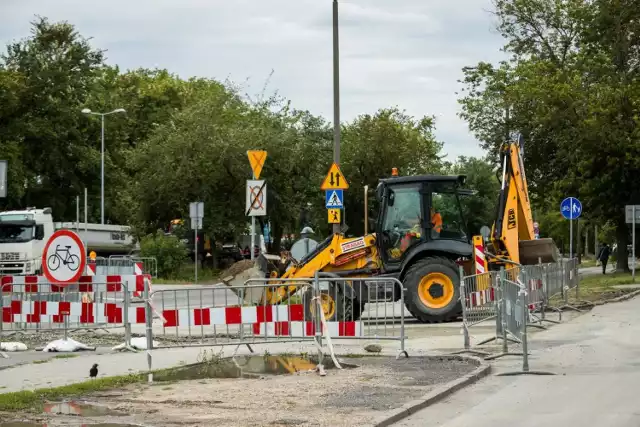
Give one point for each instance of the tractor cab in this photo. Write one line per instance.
(418, 215)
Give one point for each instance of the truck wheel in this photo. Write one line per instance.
(336, 305)
(433, 290)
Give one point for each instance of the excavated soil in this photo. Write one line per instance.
(348, 397)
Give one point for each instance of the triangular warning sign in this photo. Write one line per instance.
(256, 159)
(334, 179)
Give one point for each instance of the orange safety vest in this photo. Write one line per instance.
(436, 220)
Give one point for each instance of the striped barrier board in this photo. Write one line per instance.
(40, 284)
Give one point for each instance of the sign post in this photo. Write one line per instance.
(256, 200)
(632, 216)
(3, 178)
(196, 212)
(571, 209)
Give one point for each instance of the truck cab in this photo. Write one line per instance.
(23, 235)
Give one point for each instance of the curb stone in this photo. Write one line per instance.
(437, 394)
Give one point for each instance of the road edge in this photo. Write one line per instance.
(434, 396)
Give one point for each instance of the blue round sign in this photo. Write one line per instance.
(571, 208)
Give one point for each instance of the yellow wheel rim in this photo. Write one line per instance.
(436, 290)
(328, 306)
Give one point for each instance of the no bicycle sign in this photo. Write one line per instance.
(64, 258)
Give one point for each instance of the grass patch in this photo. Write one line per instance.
(33, 400)
(40, 362)
(598, 287)
(186, 276)
(65, 356)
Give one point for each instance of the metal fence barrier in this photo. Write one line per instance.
(40, 307)
(516, 305)
(263, 311)
(124, 264)
(478, 295)
(482, 299)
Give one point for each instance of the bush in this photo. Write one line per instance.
(170, 252)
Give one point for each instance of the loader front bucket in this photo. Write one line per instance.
(534, 251)
(249, 292)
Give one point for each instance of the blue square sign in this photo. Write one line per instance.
(333, 199)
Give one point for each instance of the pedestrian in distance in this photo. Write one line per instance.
(603, 257)
(93, 372)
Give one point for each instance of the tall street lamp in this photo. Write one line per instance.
(88, 111)
(336, 94)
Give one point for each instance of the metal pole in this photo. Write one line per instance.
(148, 329)
(366, 210)
(195, 245)
(525, 319)
(465, 330)
(633, 243)
(570, 238)
(102, 174)
(85, 212)
(77, 214)
(253, 227)
(336, 95)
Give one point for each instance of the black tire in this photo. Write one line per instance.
(74, 262)
(412, 300)
(53, 262)
(346, 309)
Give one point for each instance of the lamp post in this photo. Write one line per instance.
(336, 94)
(88, 111)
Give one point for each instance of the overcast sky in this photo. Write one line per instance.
(407, 53)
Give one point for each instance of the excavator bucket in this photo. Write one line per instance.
(534, 251)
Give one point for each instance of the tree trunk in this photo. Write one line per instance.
(622, 237)
(276, 233)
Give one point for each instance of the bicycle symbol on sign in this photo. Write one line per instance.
(70, 260)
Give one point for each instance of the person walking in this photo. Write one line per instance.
(603, 257)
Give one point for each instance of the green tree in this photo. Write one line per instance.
(372, 145)
(572, 90)
(54, 70)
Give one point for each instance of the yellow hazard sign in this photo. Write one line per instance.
(334, 180)
(256, 159)
(333, 216)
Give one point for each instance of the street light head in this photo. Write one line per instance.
(86, 111)
(120, 110)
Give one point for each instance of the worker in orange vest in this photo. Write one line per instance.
(436, 222)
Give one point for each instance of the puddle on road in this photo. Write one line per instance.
(244, 367)
(82, 409)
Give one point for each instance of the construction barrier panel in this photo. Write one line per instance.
(32, 306)
(263, 311)
(515, 315)
(482, 300)
(478, 294)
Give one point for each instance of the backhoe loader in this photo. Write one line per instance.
(421, 239)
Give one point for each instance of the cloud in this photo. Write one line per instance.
(405, 53)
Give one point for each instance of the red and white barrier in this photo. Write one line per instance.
(480, 298)
(77, 312)
(307, 329)
(40, 284)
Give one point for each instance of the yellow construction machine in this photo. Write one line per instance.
(421, 239)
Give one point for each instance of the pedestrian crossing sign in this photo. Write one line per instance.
(333, 199)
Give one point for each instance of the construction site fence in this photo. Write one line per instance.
(481, 295)
(124, 264)
(32, 308)
(264, 311)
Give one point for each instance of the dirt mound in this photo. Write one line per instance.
(237, 268)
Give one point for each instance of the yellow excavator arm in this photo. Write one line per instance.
(512, 234)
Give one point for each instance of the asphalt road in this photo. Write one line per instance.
(595, 357)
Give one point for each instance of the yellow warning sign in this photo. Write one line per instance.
(256, 159)
(333, 216)
(334, 180)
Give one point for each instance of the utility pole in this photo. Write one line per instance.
(336, 95)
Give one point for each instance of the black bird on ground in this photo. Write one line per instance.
(93, 372)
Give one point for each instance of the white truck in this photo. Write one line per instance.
(24, 233)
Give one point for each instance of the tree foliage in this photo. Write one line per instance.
(181, 140)
(572, 90)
